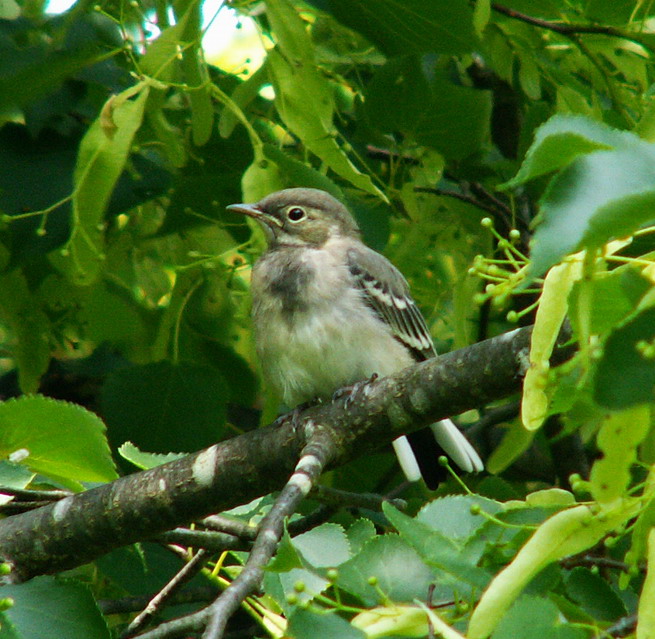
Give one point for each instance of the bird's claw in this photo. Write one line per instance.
(293, 416)
(349, 392)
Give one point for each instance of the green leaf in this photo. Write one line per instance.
(9, 11)
(30, 73)
(446, 557)
(614, 294)
(102, 157)
(165, 407)
(532, 617)
(242, 96)
(161, 58)
(549, 497)
(14, 475)
(635, 382)
(144, 460)
(286, 557)
(429, 107)
(529, 77)
(288, 569)
(261, 178)
(324, 546)
(297, 173)
(452, 516)
(295, 77)
(515, 442)
(481, 15)
(423, 26)
(639, 542)
(311, 624)
(108, 316)
(594, 595)
(361, 532)
(501, 54)
(619, 12)
(50, 608)
(29, 327)
(561, 140)
(168, 135)
(400, 572)
(62, 439)
(7, 629)
(600, 196)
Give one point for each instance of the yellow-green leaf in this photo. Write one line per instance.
(481, 15)
(646, 611)
(618, 439)
(195, 75)
(261, 178)
(568, 532)
(514, 443)
(385, 621)
(303, 96)
(553, 306)
(101, 159)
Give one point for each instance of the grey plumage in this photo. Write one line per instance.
(329, 311)
(391, 299)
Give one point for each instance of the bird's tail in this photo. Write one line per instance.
(417, 455)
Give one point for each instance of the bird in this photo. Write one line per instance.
(329, 312)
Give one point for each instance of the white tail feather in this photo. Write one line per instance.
(456, 446)
(407, 459)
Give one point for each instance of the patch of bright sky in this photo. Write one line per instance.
(231, 41)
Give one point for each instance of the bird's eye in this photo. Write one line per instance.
(296, 214)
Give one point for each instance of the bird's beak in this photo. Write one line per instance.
(252, 210)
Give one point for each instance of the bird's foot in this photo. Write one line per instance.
(293, 416)
(350, 392)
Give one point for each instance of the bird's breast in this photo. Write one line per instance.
(314, 333)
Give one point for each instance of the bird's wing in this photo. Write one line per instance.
(387, 293)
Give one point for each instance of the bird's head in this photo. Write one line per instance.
(300, 217)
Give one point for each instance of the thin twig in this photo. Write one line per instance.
(224, 524)
(370, 501)
(481, 192)
(209, 540)
(493, 416)
(34, 495)
(249, 532)
(189, 570)
(315, 455)
(315, 518)
(312, 461)
(201, 594)
(589, 560)
(377, 153)
(457, 196)
(560, 27)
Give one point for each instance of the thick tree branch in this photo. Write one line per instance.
(81, 527)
